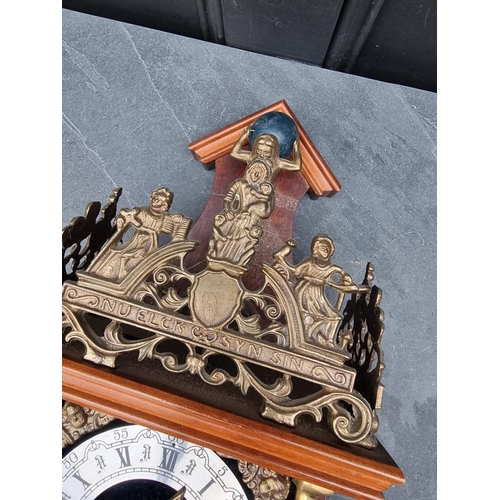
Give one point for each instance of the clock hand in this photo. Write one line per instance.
(179, 495)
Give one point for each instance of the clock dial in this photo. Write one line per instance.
(134, 453)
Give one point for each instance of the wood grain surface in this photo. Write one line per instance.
(265, 445)
(317, 173)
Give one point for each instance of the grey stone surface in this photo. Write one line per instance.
(134, 98)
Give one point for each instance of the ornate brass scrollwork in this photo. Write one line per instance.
(289, 325)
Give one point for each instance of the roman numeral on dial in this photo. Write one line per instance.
(169, 459)
(80, 478)
(124, 455)
(205, 488)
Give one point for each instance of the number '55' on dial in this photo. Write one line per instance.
(126, 455)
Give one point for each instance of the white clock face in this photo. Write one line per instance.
(134, 452)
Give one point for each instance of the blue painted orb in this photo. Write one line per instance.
(278, 124)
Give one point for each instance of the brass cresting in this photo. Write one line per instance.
(322, 347)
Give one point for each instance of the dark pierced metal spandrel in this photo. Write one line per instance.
(85, 236)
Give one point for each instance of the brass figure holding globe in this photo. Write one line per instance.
(266, 145)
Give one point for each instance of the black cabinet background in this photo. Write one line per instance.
(388, 40)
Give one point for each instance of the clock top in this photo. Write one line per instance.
(117, 303)
(318, 175)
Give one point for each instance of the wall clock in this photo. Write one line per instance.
(269, 320)
(123, 459)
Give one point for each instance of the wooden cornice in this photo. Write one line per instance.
(265, 445)
(318, 175)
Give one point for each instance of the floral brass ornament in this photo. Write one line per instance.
(289, 325)
(264, 483)
(78, 421)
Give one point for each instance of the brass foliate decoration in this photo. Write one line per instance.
(291, 325)
(78, 421)
(264, 483)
